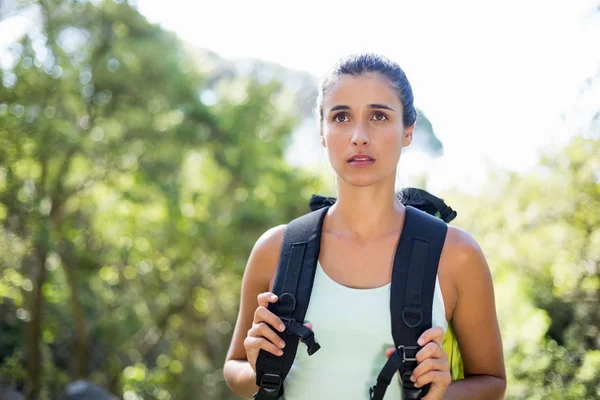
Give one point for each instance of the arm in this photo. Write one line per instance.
(260, 271)
(475, 322)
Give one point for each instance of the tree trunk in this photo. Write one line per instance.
(34, 331)
(81, 337)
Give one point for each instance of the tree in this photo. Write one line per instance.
(541, 234)
(120, 192)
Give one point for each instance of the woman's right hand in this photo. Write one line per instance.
(261, 335)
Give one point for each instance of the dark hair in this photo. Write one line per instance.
(358, 64)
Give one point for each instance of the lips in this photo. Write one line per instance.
(361, 160)
(360, 157)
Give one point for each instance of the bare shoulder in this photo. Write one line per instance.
(472, 309)
(258, 275)
(270, 240)
(462, 249)
(263, 261)
(462, 267)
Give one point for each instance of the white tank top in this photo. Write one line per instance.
(353, 327)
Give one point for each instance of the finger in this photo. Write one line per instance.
(435, 334)
(263, 315)
(265, 298)
(431, 350)
(255, 343)
(389, 352)
(431, 364)
(264, 330)
(438, 379)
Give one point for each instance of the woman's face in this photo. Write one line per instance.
(363, 130)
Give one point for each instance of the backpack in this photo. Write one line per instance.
(413, 283)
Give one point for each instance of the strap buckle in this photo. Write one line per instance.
(409, 361)
(311, 343)
(270, 385)
(409, 353)
(306, 335)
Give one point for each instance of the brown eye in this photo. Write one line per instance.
(380, 117)
(341, 117)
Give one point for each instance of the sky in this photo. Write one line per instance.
(496, 79)
(500, 81)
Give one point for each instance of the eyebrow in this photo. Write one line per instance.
(382, 106)
(379, 106)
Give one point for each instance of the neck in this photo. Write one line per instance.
(366, 213)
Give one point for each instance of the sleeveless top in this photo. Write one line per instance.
(353, 327)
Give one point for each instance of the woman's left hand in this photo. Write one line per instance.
(433, 364)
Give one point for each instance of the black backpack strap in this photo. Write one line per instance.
(293, 285)
(417, 198)
(425, 201)
(413, 285)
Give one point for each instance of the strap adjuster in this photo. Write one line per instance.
(270, 385)
(409, 353)
(409, 361)
(306, 335)
(312, 345)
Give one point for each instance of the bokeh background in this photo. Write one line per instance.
(145, 146)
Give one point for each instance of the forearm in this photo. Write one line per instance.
(240, 378)
(485, 387)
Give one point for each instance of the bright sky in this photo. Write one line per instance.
(494, 78)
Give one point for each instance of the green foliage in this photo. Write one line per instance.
(136, 174)
(541, 235)
(128, 206)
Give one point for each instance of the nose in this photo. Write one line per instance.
(360, 136)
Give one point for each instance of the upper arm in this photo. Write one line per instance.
(474, 318)
(258, 275)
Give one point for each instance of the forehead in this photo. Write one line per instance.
(370, 88)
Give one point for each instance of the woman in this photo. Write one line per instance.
(367, 117)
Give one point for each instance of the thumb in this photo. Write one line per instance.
(389, 352)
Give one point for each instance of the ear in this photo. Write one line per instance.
(408, 135)
(322, 140)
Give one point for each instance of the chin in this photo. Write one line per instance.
(360, 181)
